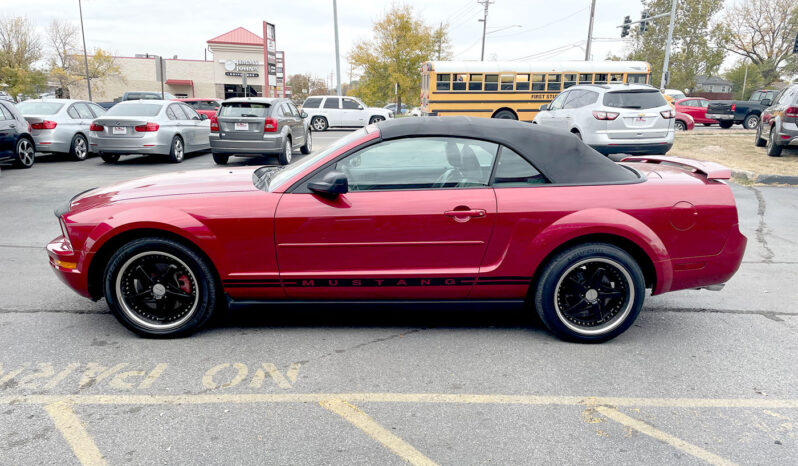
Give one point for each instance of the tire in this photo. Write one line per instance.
(110, 158)
(79, 149)
(707, 124)
(24, 153)
(751, 121)
(174, 288)
(286, 155)
(774, 150)
(562, 284)
(376, 119)
(177, 152)
(319, 123)
(505, 115)
(308, 147)
(221, 159)
(725, 124)
(758, 140)
(679, 125)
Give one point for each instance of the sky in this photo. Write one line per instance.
(536, 29)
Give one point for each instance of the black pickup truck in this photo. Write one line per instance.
(741, 112)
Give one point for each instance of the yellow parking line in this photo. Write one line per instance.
(75, 434)
(364, 422)
(653, 432)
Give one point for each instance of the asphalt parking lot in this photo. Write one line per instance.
(701, 377)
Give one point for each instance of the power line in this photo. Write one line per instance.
(544, 25)
(554, 51)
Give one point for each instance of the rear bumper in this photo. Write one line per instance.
(633, 148)
(720, 116)
(66, 265)
(254, 147)
(701, 272)
(148, 144)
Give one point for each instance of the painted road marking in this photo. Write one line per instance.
(655, 433)
(364, 422)
(75, 433)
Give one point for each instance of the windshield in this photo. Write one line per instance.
(134, 110)
(278, 178)
(244, 109)
(634, 99)
(39, 108)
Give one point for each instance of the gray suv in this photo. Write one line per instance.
(254, 126)
(778, 126)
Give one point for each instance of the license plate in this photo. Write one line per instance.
(119, 130)
(241, 126)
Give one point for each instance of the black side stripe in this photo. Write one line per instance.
(374, 282)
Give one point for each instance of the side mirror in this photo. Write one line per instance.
(331, 184)
(765, 102)
(544, 107)
(203, 116)
(303, 115)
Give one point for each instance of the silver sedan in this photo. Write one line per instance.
(160, 127)
(61, 125)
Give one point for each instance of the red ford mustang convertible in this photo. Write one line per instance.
(416, 210)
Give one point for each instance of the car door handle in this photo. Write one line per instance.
(478, 213)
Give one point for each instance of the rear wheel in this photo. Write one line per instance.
(308, 147)
(285, 155)
(319, 123)
(590, 293)
(505, 115)
(376, 119)
(751, 122)
(110, 158)
(25, 153)
(178, 151)
(726, 124)
(679, 125)
(759, 141)
(79, 149)
(221, 159)
(774, 150)
(707, 124)
(157, 287)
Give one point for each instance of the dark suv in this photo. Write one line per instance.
(253, 126)
(16, 143)
(779, 124)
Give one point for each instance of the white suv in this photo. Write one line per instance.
(613, 118)
(334, 111)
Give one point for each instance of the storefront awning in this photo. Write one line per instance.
(180, 82)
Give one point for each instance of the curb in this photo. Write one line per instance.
(765, 178)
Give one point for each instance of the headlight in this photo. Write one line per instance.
(64, 231)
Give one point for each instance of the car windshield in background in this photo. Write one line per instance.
(244, 109)
(134, 110)
(39, 108)
(634, 99)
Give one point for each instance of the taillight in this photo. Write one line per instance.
(668, 114)
(96, 127)
(733, 107)
(791, 112)
(599, 115)
(147, 128)
(270, 125)
(46, 124)
(214, 124)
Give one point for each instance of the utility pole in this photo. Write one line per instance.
(337, 56)
(665, 74)
(745, 79)
(85, 57)
(590, 30)
(486, 4)
(440, 39)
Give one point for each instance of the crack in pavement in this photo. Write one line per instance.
(53, 311)
(772, 315)
(20, 246)
(760, 230)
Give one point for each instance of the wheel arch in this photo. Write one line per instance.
(515, 114)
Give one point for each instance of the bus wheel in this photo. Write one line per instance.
(505, 115)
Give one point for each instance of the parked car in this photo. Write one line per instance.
(16, 142)
(4, 96)
(61, 125)
(254, 126)
(138, 95)
(158, 127)
(392, 108)
(416, 111)
(696, 107)
(333, 111)
(613, 118)
(778, 127)
(672, 95)
(683, 122)
(741, 112)
(417, 209)
(207, 107)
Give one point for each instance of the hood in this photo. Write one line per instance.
(215, 180)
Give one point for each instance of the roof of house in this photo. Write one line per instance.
(238, 36)
(712, 80)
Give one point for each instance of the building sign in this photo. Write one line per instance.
(281, 73)
(239, 74)
(241, 65)
(270, 56)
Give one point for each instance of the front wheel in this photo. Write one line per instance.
(590, 293)
(285, 156)
(376, 119)
(160, 288)
(178, 151)
(319, 123)
(25, 153)
(751, 122)
(679, 125)
(308, 147)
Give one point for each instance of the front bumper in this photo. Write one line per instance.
(267, 145)
(720, 116)
(66, 264)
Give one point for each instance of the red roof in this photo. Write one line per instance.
(238, 36)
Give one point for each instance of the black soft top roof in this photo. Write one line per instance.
(559, 156)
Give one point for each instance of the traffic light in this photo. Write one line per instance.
(643, 23)
(625, 28)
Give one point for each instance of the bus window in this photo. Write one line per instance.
(636, 78)
(554, 83)
(569, 79)
(459, 82)
(491, 82)
(585, 78)
(475, 82)
(522, 82)
(601, 78)
(443, 82)
(538, 82)
(616, 78)
(507, 82)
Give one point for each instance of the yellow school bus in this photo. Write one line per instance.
(513, 90)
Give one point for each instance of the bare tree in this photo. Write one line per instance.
(763, 31)
(20, 46)
(62, 39)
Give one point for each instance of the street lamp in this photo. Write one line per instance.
(85, 57)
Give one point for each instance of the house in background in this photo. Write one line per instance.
(712, 87)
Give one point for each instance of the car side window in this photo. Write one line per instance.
(97, 110)
(557, 103)
(170, 113)
(278, 111)
(574, 99)
(513, 171)
(294, 110)
(190, 112)
(5, 113)
(312, 102)
(331, 102)
(73, 112)
(420, 163)
(350, 104)
(83, 111)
